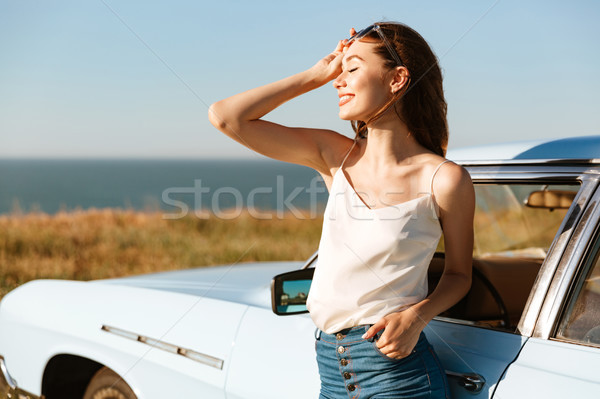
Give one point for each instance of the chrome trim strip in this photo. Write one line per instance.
(487, 162)
(474, 324)
(12, 384)
(167, 347)
(496, 175)
(457, 321)
(8, 386)
(567, 270)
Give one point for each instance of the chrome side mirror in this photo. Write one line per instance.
(289, 292)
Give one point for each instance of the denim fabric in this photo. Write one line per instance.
(353, 367)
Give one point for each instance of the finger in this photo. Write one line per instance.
(395, 355)
(352, 32)
(388, 348)
(336, 58)
(388, 345)
(391, 350)
(329, 57)
(375, 328)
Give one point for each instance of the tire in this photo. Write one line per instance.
(106, 384)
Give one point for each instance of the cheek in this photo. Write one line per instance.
(371, 83)
(358, 82)
(371, 91)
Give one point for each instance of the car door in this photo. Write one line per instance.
(562, 358)
(273, 357)
(474, 358)
(475, 347)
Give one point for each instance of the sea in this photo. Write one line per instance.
(175, 187)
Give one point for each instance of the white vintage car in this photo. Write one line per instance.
(529, 327)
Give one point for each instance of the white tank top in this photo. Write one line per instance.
(371, 262)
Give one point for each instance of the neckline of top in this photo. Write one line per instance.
(427, 195)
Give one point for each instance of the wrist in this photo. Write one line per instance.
(312, 79)
(422, 312)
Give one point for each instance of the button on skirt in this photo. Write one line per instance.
(353, 367)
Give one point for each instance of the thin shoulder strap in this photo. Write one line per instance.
(434, 173)
(348, 153)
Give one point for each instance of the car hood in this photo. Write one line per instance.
(247, 283)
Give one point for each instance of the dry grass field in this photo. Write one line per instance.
(95, 244)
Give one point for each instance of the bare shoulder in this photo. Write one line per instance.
(452, 184)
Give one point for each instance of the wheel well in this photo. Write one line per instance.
(67, 376)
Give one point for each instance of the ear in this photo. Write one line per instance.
(400, 79)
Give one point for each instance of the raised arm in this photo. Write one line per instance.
(239, 117)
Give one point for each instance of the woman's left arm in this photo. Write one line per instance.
(455, 197)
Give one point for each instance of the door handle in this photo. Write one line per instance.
(470, 381)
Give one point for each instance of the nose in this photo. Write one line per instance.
(339, 81)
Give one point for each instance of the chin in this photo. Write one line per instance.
(349, 116)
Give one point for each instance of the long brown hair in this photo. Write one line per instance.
(420, 104)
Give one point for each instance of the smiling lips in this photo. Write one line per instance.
(345, 98)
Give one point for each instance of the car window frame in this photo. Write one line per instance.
(539, 172)
(565, 259)
(571, 265)
(590, 261)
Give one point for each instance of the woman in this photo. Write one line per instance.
(392, 194)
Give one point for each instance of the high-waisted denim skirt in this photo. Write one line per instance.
(353, 367)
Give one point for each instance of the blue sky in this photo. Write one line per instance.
(133, 79)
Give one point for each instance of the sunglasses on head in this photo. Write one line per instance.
(388, 45)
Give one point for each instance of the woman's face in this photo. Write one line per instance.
(364, 85)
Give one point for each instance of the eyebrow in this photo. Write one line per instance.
(353, 56)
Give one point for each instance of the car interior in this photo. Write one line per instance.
(514, 228)
(499, 290)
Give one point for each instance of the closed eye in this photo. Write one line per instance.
(352, 70)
